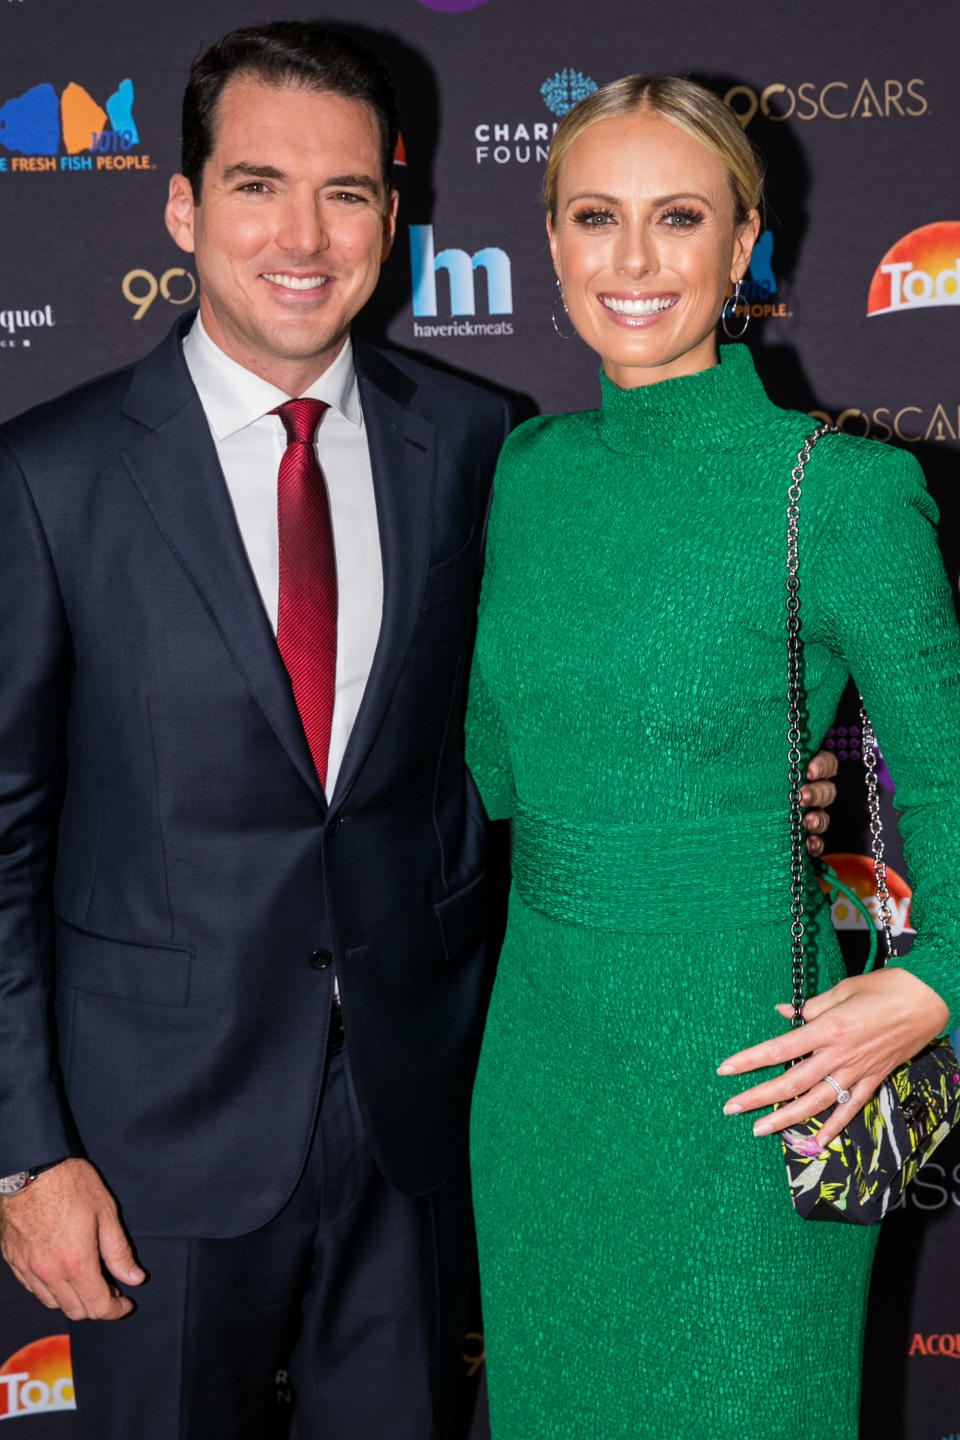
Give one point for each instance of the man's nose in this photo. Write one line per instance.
(302, 230)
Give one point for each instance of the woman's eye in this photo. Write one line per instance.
(595, 219)
(682, 219)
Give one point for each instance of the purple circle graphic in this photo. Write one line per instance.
(452, 7)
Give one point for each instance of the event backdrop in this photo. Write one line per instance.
(854, 291)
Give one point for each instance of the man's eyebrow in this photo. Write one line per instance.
(355, 182)
(244, 170)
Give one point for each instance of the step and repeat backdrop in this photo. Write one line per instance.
(854, 295)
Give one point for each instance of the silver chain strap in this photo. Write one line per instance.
(876, 829)
(794, 720)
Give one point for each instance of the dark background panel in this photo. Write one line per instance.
(856, 111)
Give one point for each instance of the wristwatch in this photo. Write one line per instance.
(16, 1183)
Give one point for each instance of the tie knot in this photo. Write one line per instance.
(300, 418)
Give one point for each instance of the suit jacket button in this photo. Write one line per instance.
(334, 827)
(320, 959)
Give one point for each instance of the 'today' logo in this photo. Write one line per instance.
(857, 873)
(921, 270)
(37, 1379)
(37, 126)
(833, 100)
(520, 141)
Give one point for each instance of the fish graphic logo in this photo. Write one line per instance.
(39, 121)
(921, 270)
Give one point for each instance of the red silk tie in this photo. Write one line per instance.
(307, 612)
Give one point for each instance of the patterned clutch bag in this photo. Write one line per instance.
(868, 1166)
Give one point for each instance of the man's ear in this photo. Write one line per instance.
(180, 211)
(389, 224)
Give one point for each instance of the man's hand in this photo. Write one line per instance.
(59, 1237)
(816, 796)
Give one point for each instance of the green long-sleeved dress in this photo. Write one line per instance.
(644, 1274)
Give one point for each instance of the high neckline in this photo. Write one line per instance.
(671, 414)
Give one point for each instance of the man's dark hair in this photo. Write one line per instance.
(285, 52)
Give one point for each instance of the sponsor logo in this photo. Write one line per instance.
(566, 89)
(14, 325)
(461, 270)
(37, 1379)
(834, 100)
(475, 1353)
(909, 424)
(141, 288)
(857, 872)
(758, 289)
(452, 7)
(933, 1189)
(284, 1387)
(948, 1345)
(37, 127)
(921, 270)
(520, 141)
(844, 741)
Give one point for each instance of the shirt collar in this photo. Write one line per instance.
(233, 397)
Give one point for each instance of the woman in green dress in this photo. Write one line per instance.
(644, 1274)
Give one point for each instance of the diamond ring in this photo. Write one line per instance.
(842, 1095)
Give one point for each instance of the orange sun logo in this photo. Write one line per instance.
(920, 270)
(38, 1378)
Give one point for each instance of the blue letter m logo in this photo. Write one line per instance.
(460, 267)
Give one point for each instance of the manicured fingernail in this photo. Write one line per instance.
(732, 1108)
(726, 1069)
(762, 1127)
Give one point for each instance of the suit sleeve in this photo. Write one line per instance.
(35, 663)
(891, 614)
(487, 747)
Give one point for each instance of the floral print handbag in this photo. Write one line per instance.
(866, 1168)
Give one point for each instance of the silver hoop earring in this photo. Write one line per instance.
(730, 309)
(558, 299)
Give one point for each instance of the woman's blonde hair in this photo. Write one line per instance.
(687, 105)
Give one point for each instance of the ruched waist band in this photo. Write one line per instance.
(728, 872)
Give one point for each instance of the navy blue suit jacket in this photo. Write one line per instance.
(169, 864)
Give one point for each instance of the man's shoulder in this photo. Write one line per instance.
(84, 404)
(88, 415)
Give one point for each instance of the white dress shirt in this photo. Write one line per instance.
(250, 443)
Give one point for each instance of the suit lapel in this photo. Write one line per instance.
(175, 468)
(403, 459)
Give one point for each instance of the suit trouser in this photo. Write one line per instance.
(352, 1300)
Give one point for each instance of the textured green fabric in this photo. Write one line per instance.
(644, 1273)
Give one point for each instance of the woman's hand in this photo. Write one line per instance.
(858, 1032)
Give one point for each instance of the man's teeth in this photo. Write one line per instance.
(638, 307)
(298, 282)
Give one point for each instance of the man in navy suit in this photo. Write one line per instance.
(242, 969)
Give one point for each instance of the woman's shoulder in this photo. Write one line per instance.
(865, 474)
(537, 440)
